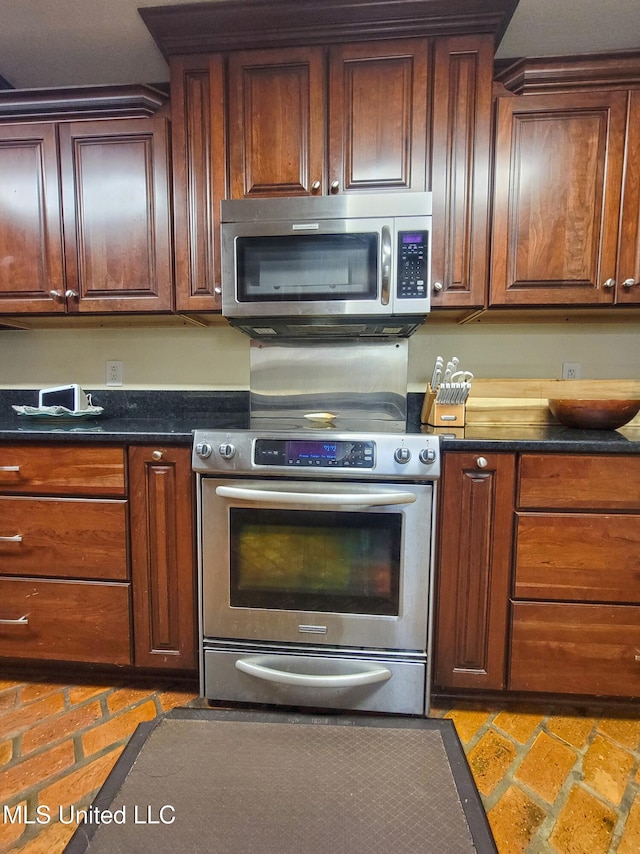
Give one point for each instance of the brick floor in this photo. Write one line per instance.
(551, 780)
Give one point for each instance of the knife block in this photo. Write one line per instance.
(449, 415)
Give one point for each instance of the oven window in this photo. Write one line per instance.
(310, 560)
(307, 267)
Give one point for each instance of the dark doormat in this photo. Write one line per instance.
(236, 782)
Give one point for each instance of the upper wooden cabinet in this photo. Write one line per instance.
(460, 158)
(84, 207)
(566, 226)
(372, 112)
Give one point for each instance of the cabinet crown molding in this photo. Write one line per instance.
(244, 24)
(81, 102)
(537, 75)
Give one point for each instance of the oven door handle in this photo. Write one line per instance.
(316, 499)
(254, 667)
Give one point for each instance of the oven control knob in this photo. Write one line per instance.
(204, 450)
(227, 451)
(402, 455)
(427, 456)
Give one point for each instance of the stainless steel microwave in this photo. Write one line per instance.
(328, 266)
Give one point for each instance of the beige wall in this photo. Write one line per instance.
(217, 357)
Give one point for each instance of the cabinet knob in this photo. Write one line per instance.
(71, 294)
(335, 186)
(437, 286)
(610, 283)
(629, 283)
(482, 462)
(315, 186)
(217, 290)
(55, 294)
(156, 455)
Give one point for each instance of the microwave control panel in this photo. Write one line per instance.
(413, 257)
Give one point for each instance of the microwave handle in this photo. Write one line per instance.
(254, 667)
(325, 499)
(386, 264)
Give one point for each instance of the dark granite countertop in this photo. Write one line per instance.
(170, 417)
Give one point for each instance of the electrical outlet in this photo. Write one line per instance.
(114, 373)
(571, 370)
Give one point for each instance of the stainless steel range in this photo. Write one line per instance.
(315, 560)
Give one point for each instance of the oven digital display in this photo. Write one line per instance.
(313, 452)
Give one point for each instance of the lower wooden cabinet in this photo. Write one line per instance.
(476, 512)
(56, 620)
(97, 560)
(538, 579)
(162, 557)
(569, 648)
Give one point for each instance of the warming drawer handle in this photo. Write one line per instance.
(15, 539)
(21, 621)
(326, 499)
(341, 680)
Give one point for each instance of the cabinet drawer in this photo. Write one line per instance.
(585, 557)
(62, 469)
(65, 620)
(579, 482)
(576, 649)
(64, 537)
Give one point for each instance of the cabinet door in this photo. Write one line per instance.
(162, 557)
(558, 176)
(628, 284)
(473, 574)
(199, 169)
(378, 116)
(115, 186)
(276, 122)
(31, 266)
(463, 71)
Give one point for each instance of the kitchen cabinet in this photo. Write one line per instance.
(97, 561)
(84, 213)
(576, 591)
(473, 570)
(64, 578)
(373, 115)
(566, 221)
(162, 557)
(199, 178)
(461, 151)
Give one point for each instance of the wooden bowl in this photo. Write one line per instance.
(594, 414)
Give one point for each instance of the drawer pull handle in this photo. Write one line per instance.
(21, 621)
(637, 657)
(15, 539)
(9, 468)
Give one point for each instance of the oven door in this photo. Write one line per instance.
(324, 563)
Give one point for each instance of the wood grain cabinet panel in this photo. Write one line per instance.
(474, 564)
(62, 469)
(276, 122)
(31, 254)
(558, 177)
(63, 537)
(378, 102)
(579, 481)
(628, 269)
(460, 160)
(199, 178)
(115, 187)
(65, 620)
(588, 557)
(162, 553)
(576, 649)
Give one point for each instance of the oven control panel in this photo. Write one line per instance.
(298, 453)
(372, 455)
